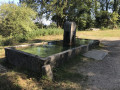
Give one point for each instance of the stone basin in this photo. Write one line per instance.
(17, 57)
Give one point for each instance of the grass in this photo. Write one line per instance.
(12, 40)
(2, 52)
(102, 34)
(106, 34)
(65, 72)
(17, 81)
(66, 77)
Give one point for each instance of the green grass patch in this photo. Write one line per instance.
(64, 72)
(101, 33)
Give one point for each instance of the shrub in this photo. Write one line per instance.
(15, 20)
(30, 35)
(44, 32)
(1, 40)
(52, 25)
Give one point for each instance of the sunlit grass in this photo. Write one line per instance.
(65, 78)
(99, 34)
(17, 81)
(2, 52)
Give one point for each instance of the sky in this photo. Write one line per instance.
(44, 21)
(6, 1)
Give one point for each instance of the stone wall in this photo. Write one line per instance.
(59, 58)
(24, 60)
(35, 63)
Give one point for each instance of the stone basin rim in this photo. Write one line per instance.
(38, 44)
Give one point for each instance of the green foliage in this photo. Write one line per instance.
(16, 20)
(52, 25)
(86, 13)
(29, 35)
(114, 19)
(39, 25)
(80, 13)
(103, 19)
(44, 32)
(1, 40)
(57, 9)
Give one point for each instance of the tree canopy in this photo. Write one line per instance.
(16, 20)
(86, 13)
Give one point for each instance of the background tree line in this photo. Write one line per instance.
(86, 13)
(17, 22)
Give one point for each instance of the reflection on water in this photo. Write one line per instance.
(53, 48)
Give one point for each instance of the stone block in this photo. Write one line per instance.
(69, 33)
(46, 70)
(96, 54)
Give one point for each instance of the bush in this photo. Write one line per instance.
(44, 32)
(39, 25)
(114, 19)
(15, 20)
(52, 25)
(30, 35)
(1, 40)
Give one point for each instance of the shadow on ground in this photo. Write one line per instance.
(6, 84)
(104, 74)
(83, 73)
(64, 78)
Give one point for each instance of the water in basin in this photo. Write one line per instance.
(53, 47)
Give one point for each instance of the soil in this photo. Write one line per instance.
(103, 74)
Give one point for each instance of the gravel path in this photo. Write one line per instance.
(104, 74)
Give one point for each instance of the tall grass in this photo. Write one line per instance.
(45, 32)
(30, 35)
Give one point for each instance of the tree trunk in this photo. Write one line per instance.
(115, 6)
(95, 7)
(106, 5)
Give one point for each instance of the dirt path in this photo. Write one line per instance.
(104, 74)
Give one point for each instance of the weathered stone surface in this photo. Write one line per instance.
(46, 70)
(69, 33)
(96, 54)
(24, 60)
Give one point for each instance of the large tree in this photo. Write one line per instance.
(16, 20)
(80, 13)
(83, 12)
(54, 8)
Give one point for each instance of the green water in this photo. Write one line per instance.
(52, 48)
(83, 41)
